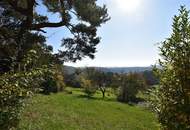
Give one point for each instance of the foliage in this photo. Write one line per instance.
(59, 77)
(85, 77)
(53, 80)
(173, 95)
(49, 84)
(152, 96)
(99, 80)
(14, 89)
(150, 77)
(19, 17)
(23, 47)
(102, 80)
(130, 84)
(72, 79)
(88, 87)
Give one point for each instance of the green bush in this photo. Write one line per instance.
(53, 81)
(14, 90)
(130, 84)
(11, 97)
(48, 86)
(89, 90)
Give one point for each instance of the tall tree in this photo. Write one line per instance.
(173, 105)
(20, 16)
(23, 49)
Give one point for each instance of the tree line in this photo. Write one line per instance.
(125, 85)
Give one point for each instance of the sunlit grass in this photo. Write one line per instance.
(76, 112)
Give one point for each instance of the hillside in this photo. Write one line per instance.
(76, 112)
(70, 69)
(124, 69)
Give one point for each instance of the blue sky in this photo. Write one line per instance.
(130, 38)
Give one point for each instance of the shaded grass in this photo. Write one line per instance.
(75, 112)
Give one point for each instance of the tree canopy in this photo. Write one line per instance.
(26, 60)
(20, 16)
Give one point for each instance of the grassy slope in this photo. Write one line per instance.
(74, 112)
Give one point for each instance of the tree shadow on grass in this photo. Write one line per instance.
(133, 102)
(95, 98)
(139, 100)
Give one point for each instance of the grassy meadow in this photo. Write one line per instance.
(74, 111)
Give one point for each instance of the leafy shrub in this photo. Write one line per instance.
(16, 87)
(150, 78)
(59, 79)
(14, 90)
(53, 81)
(130, 84)
(48, 86)
(72, 80)
(89, 89)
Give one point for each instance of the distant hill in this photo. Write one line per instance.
(124, 69)
(70, 69)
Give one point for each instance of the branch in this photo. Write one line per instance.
(29, 13)
(47, 24)
(70, 29)
(42, 31)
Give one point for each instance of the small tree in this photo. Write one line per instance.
(102, 80)
(99, 79)
(173, 96)
(86, 75)
(89, 89)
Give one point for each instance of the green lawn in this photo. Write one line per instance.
(75, 112)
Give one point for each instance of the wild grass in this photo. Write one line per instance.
(76, 112)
